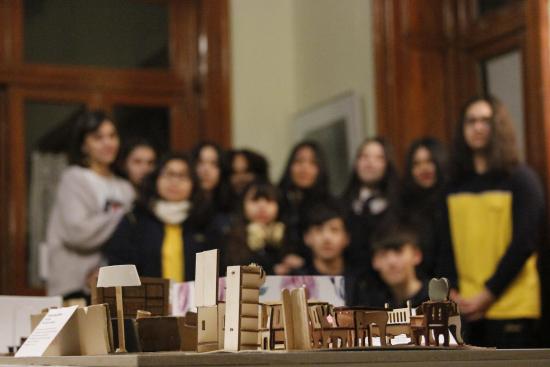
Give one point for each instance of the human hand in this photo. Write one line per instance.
(294, 261)
(474, 308)
(281, 269)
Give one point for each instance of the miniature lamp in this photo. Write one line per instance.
(119, 276)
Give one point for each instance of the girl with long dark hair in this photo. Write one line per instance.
(305, 182)
(422, 195)
(211, 168)
(90, 201)
(371, 197)
(136, 160)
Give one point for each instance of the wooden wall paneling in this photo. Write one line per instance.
(184, 25)
(63, 77)
(537, 82)
(414, 56)
(386, 43)
(537, 87)
(5, 248)
(214, 72)
(180, 88)
(17, 200)
(10, 32)
(476, 30)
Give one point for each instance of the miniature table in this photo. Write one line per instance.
(423, 358)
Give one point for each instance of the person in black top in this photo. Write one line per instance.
(257, 236)
(422, 195)
(305, 182)
(167, 226)
(495, 209)
(371, 197)
(395, 256)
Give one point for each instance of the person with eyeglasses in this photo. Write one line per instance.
(495, 209)
(168, 225)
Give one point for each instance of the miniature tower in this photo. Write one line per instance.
(210, 313)
(242, 304)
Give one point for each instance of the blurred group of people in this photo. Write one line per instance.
(471, 212)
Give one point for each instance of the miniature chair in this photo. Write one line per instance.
(455, 324)
(436, 316)
(332, 333)
(364, 321)
(315, 326)
(418, 328)
(399, 321)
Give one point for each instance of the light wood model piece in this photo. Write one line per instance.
(242, 303)
(119, 276)
(210, 312)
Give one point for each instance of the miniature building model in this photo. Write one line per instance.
(242, 304)
(210, 313)
(151, 295)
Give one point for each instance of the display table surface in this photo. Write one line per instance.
(405, 357)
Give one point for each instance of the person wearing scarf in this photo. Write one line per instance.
(164, 231)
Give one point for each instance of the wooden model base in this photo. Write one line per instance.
(442, 357)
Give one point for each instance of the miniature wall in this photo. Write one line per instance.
(287, 56)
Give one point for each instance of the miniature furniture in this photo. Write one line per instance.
(399, 321)
(366, 321)
(316, 329)
(241, 310)
(119, 276)
(436, 319)
(418, 329)
(333, 335)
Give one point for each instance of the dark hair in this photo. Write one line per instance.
(87, 123)
(394, 238)
(321, 184)
(439, 157)
(262, 190)
(389, 184)
(126, 150)
(221, 195)
(502, 150)
(149, 193)
(321, 213)
(257, 164)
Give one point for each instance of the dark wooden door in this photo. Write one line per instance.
(133, 58)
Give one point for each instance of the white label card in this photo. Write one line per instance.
(44, 334)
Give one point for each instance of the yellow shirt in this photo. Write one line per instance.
(481, 230)
(173, 256)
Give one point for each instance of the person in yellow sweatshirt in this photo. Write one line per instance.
(495, 212)
(168, 225)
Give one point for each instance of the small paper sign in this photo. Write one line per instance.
(44, 334)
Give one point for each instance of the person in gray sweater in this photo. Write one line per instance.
(89, 204)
